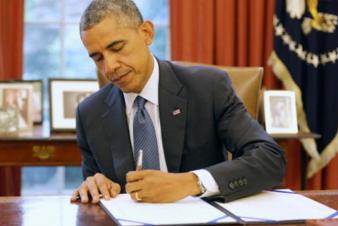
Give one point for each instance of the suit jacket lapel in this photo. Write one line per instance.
(116, 128)
(173, 110)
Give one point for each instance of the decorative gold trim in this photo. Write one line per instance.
(284, 75)
(43, 152)
(317, 161)
(326, 156)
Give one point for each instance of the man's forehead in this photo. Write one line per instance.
(104, 34)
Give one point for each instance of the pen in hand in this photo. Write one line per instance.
(139, 161)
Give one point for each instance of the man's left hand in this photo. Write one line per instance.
(159, 187)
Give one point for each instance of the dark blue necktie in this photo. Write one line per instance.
(145, 136)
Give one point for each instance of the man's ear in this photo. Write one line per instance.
(147, 31)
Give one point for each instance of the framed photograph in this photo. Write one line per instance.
(64, 96)
(16, 101)
(280, 112)
(37, 98)
(8, 122)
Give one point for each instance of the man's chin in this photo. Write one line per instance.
(128, 89)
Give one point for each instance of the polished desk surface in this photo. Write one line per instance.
(50, 211)
(59, 211)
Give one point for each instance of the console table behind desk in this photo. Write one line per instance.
(42, 148)
(39, 148)
(283, 139)
(58, 211)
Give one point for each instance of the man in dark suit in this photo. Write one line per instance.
(194, 110)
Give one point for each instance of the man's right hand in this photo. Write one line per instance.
(95, 186)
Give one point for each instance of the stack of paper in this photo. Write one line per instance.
(266, 207)
(278, 206)
(190, 210)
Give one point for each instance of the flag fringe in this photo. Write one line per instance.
(283, 74)
(326, 156)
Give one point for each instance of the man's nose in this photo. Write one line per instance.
(111, 64)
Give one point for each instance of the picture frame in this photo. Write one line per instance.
(16, 100)
(8, 122)
(37, 98)
(280, 112)
(64, 97)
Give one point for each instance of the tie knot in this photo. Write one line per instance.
(140, 102)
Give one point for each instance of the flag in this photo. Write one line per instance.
(305, 59)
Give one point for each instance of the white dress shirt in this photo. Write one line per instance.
(150, 93)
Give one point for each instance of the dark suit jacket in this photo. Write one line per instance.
(212, 117)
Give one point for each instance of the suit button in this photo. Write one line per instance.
(236, 183)
(245, 181)
(241, 182)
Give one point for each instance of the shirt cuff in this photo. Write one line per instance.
(208, 182)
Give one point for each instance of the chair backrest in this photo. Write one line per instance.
(246, 82)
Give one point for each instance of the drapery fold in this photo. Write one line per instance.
(11, 67)
(231, 33)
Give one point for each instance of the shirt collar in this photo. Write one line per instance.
(149, 91)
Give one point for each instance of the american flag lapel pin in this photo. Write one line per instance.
(177, 112)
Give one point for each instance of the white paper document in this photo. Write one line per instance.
(190, 210)
(278, 205)
(265, 207)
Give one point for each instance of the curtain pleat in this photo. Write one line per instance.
(11, 60)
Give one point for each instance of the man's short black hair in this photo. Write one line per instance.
(124, 11)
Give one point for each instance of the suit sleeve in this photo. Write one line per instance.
(89, 166)
(258, 162)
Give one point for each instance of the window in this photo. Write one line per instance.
(52, 48)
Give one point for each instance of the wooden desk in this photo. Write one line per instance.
(57, 210)
(39, 148)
